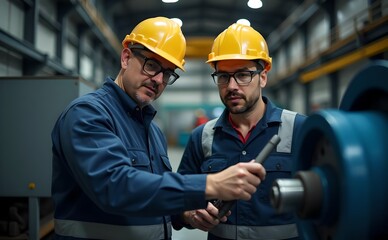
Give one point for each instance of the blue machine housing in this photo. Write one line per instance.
(346, 148)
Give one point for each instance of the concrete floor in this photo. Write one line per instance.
(175, 155)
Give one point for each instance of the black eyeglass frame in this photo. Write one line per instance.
(166, 72)
(233, 74)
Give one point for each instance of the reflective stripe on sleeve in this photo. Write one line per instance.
(92, 230)
(255, 232)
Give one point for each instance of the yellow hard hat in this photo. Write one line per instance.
(240, 41)
(162, 36)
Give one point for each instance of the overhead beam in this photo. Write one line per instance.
(198, 47)
(367, 51)
(100, 28)
(26, 49)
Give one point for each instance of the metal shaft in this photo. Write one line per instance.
(225, 206)
(287, 194)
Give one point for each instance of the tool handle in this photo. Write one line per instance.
(225, 206)
(273, 142)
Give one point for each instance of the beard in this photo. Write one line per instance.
(244, 105)
(142, 102)
(149, 98)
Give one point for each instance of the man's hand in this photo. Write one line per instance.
(236, 182)
(204, 219)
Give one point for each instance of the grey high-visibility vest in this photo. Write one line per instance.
(285, 133)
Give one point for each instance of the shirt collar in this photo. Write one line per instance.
(272, 113)
(126, 101)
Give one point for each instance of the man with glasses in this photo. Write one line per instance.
(241, 62)
(111, 174)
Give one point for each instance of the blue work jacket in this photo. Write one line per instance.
(111, 174)
(256, 218)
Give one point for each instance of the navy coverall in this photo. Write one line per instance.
(111, 174)
(256, 218)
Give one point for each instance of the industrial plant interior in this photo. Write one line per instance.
(329, 62)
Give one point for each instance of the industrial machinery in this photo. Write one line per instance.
(29, 107)
(340, 185)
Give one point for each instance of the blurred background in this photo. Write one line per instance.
(52, 51)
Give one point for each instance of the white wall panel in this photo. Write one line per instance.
(100, 78)
(16, 21)
(346, 76)
(318, 34)
(214, 98)
(197, 74)
(86, 67)
(193, 79)
(348, 16)
(281, 62)
(297, 100)
(46, 40)
(296, 51)
(87, 64)
(70, 56)
(4, 14)
(181, 98)
(98, 69)
(320, 93)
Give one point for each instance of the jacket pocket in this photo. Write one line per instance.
(166, 163)
(139, 159)
(277, 166)
(213, 165)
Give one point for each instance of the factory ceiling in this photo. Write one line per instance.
(202, 20)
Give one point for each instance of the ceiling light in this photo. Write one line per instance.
(177, 20)
(170, 1)
(255, 4)
(244, 22)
